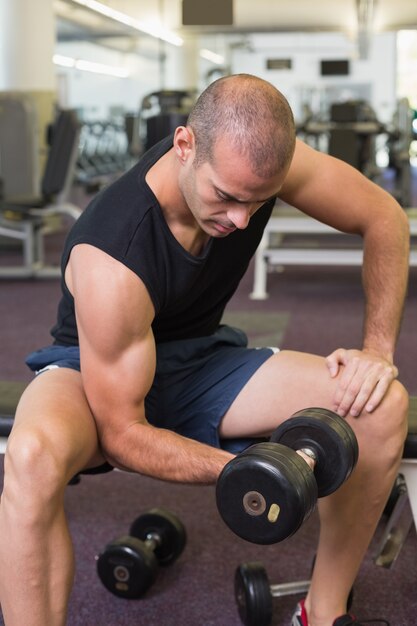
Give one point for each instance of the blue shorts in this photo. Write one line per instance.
(195, 383)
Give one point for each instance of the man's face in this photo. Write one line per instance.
(223, 194)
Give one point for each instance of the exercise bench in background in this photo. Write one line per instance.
(29, 219)
(292, 238)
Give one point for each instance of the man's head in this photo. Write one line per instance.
(234, 153)
(252, 115)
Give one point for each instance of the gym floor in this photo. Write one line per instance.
(309, 309)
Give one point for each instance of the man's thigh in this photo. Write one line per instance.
(54, 408)
(197, 380)
(287, 382)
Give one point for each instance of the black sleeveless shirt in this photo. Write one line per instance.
(189, 292)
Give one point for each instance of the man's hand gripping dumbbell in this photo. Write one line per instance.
(265, 493)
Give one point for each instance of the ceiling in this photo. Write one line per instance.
(75, 22)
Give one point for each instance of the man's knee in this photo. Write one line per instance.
(395, 407)
(32, 466)
(390, 421)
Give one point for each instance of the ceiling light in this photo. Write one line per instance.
(123, 18)
(211, 56)
(90, 66)
(63, 61)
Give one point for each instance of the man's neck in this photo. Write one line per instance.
(162, 178)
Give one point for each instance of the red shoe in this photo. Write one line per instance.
(300, 619)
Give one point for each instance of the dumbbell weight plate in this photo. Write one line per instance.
(343, 427)
(349, 449)
(331, 438)
(168, 527)
(262, 494)
(253, 594)
(300, 473)
(127, 568)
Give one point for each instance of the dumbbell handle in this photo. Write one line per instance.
(309, 456)
(153, 541)
(299, 587)
(289, 589)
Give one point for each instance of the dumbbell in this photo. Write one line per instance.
(128, 566)
(266, 492)
(254, 593)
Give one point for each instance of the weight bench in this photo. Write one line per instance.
(404, 508)
(316, 244)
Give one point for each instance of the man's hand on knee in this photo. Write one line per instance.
(363, 381)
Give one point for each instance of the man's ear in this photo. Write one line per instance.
(184, 143)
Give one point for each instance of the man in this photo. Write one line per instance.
(163, 390)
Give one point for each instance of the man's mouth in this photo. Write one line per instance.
(222, 228)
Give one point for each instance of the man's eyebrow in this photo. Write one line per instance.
(229, 196)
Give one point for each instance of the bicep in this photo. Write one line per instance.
(114, 315)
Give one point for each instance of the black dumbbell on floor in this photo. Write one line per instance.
(265, 493)
(254, 593)
(128, 566)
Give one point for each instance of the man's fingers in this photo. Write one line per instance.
(334, 360)
(362, 386)
(346, 389)
(363, 380)
(372, 387)
(381, 388)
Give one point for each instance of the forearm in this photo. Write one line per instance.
(162, 454)
(385, 276)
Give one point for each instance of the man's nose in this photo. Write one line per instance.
(240, 214)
